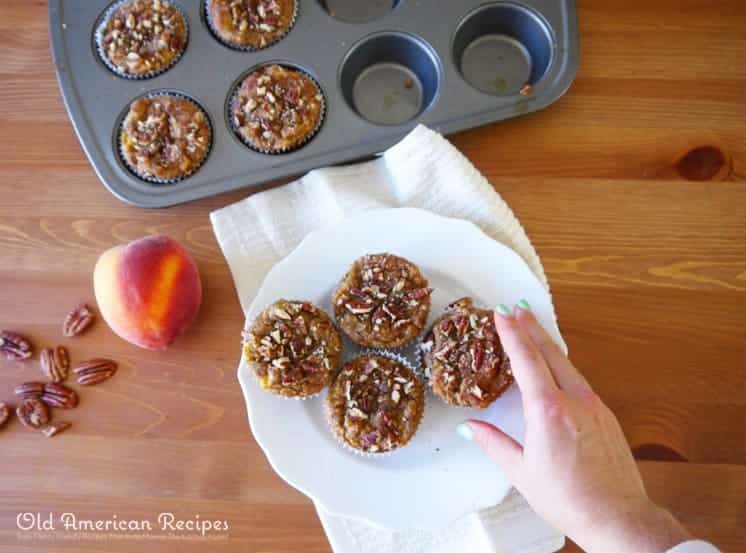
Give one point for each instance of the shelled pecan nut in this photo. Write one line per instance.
(29, 390)
(4, 414)
(14, 346)
(55, 428)
(94, 371)
(77, 320)
(59, 395)
(55, 363)
(32, 413)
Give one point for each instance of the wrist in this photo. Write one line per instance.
(640, 526)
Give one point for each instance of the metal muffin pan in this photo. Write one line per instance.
(385, 66)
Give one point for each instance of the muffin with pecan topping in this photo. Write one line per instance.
(250, 24)
(375, 404)
(383, 301)
(463, 357)
(165, 137)
(277, 109)
(142, 38)
(293, 348)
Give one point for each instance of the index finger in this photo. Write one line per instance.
(528, 364)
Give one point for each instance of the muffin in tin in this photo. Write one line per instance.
(293, 348)
(375, 404)
(165, 137)
(383, 301)
(463, 357)
(250, 24)
(142, 38)
(277, 109)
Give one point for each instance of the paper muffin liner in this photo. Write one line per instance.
(98, 38)
(366, 454)
(247, 48)
(296, 398)
(299, 145)
(155, 180)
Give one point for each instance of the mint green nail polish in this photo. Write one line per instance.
(503, 310)
(523, 304)
(465, 431)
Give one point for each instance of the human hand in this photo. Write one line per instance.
(575, 468)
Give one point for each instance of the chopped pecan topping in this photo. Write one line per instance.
(143, 36)
(277, 108)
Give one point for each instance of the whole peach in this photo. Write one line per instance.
(148, 291)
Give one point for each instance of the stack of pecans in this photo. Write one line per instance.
(37, 399)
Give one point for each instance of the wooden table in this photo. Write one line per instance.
(632, 188)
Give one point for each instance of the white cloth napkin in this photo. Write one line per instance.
(426, 171)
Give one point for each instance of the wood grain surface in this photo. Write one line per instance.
(632, 187)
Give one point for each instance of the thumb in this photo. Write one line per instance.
(498, 446)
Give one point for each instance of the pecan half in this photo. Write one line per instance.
(32, 413)
(59, 395)
(55, 363)
(29, 390)
(55, 428)
(15, 346)
(4, 414)
(94, 371)
(77, 320)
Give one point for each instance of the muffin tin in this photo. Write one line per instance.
(384, 67)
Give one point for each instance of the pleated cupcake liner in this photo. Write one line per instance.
(247, 47)
(155, 180)
(98, 36)
(234, 98)
(384, 454)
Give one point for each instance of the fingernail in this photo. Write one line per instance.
(503, 310)
(523, 304)
(465, 431)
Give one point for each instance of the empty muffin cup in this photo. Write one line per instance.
(500, 48)
(358, 11)
(390, 78)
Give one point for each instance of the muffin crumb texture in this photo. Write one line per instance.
(277, 109)
(165, 137)
(463, 357)
(383, 301)
(293, 348)
(143, 37)
(375, 405)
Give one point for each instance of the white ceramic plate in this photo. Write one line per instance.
(437, 477)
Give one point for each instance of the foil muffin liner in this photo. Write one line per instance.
(234, 96)
(366, 454)
(120, 129)
(98, 43)
(247, 47)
